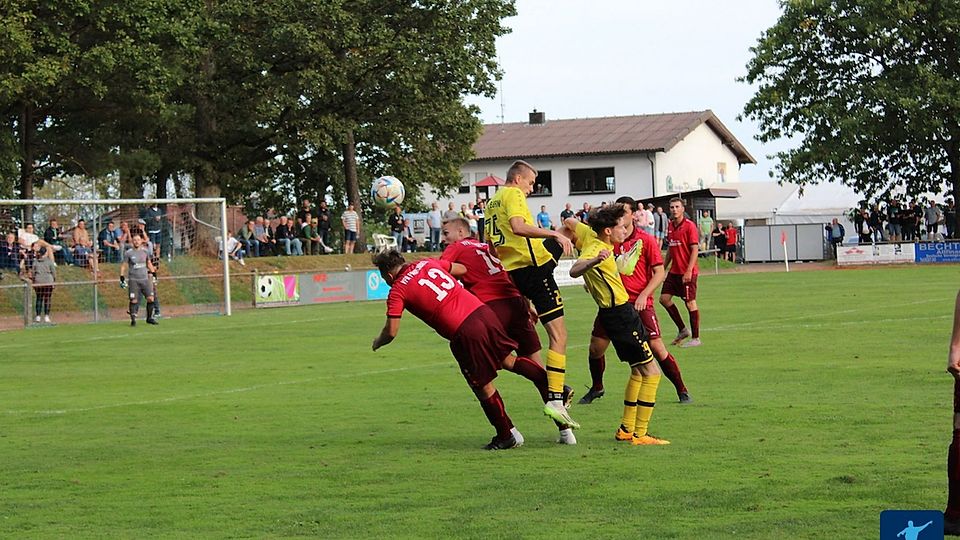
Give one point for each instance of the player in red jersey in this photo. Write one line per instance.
(486, 278)
(641, 271)
(951, 517)
(681, 264)
(477, 339)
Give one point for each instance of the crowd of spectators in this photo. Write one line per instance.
(912, 221)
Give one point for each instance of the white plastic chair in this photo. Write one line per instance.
(382, 242)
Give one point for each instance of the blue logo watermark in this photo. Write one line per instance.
(911, 525)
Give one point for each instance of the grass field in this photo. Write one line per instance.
(820, 400)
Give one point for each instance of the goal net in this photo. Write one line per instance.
(87, 239)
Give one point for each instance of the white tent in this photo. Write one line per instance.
(769, 203)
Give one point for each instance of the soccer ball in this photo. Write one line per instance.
(387, 191)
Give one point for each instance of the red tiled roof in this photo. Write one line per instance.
(595, 136)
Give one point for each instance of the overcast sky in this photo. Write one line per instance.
(578, 59)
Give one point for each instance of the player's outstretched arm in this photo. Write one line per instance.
(580, 267)
(953, 357)
(457, 270)
(520, 228)
(389, 332)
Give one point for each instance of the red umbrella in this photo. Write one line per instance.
(491, 181)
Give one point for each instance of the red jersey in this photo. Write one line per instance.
(681, 238)
(485, 277)
(650, 258)
(427, 290)
(731, 232)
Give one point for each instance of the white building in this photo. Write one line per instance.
(600, 159)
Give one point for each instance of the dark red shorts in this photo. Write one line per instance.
(480, 345)
(648, 317)
(675, 286)
(514, 315)
(956, 395)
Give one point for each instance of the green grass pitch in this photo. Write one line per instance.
(820, 400)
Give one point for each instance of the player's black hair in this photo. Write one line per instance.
(607, 216)
(628, 201)
(388, 260)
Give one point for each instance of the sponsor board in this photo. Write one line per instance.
(875, 254)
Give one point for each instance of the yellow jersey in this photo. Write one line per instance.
(603, 280)
(584, 234)
(513, 251)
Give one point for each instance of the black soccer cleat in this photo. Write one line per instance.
(515, 440)
(133, 322)
(591, 396)
(685, 397)
(152, 321)
(568, 392)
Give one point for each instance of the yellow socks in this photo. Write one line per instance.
(630, 402)
(556, 373)
(646, 399)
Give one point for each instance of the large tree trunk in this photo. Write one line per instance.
(208, 224)
(353, 185)
(27, 132)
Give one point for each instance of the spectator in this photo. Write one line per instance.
(107, 240)
(123, 236)
(543, 218)
(322, 247)
(264, 235)
(309, 238)
(660, 221)
(43, 275)
(450, 213)
(324, 222)
(719, 240)
(705, 224)
(931, 217)
(351, 228)
(395, 223)
(248, 238)
(286, 237)
(54, 237)
(894, 224)
(27, 236)
(950, 217)
(10, 254)
(409, 242)
(917, 208)
(835, 234)
(584, 213)
(305, 214)
(648, 217)
(153, 219)
(472, 221)
(83, 252)
(480, 211)
(435, 224)
(906, 222)
(864, 232)
(234, 249)
(732, 235)
(565, 213)
(876, 223)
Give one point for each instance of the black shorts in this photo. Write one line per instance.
(514, 315)
(480, 346)
(625, 330)
(537, 284)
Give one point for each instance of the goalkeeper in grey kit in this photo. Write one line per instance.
(134, 273)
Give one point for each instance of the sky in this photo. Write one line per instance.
(580, 59)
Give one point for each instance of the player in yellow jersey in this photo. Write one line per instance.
(620, 321)
(529, 254)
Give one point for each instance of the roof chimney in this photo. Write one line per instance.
(537, 117)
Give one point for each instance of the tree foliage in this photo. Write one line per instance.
(869, 88)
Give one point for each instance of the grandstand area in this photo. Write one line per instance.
(820, 399)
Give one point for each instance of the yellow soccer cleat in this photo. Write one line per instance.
(648, 440)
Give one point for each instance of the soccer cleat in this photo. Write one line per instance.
(685, 397)
(555, 410)
(46, 318)
(684, 334)
(568, 392)
(36, 319)
(133, 322)
(623, 435)
(567, 436)
(695, 342)
(648, 440)
(590, 396)
(515, 440)
(152, 321)
(951, 527)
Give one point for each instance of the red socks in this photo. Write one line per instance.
(533, 372)
(671, 369)
(695, 323)
(597, 367)
(675, 315)
(497, 415)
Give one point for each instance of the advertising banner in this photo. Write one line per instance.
(938, 252)
(875, 254)
(277, 290)
(377, 289)
(562, 273)
(323, 287)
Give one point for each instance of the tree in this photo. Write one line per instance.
(870, 88)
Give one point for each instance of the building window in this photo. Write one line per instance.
(465, 183)
(592, 180)
(721, 172)
(544, 185)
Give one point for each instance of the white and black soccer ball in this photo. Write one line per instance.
(387, 191)
(265, 286)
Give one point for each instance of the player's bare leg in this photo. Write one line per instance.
(666, 300)
(694, 324)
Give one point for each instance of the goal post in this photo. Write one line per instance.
(191, 280)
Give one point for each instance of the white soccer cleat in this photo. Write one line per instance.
(517, 436)
(684, 334)
(46, 318)
(567, 437)
(695, 342)
(555, 410)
